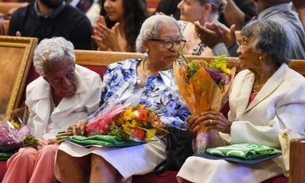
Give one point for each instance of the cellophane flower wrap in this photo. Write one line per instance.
(14, 133)
(136, 123)
(203, 85)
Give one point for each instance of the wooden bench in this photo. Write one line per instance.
(5, 7)
(104, 58)
(98, 60)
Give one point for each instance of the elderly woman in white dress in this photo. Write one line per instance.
(267, 97)
(64, 92)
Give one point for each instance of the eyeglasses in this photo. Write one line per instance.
(170, 43)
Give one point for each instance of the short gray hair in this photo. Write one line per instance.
(270, 37)
(151, 29)
(52, 49)
(218, 6)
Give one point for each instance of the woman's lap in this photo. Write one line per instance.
(197, 169)
(134, 160)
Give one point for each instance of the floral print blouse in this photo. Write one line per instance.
(121, 83)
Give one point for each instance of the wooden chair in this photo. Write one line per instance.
(16, 60)
(297, 160)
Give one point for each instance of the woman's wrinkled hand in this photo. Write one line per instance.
(78, 128)
(193, 123)
(211, 119)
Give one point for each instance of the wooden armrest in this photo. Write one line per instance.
(297, 161)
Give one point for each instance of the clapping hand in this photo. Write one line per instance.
(212, 33)
(105, 37)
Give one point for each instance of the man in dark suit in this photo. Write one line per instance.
(52, 18)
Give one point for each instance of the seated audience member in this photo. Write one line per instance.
(238, 12)
(280, 11)
(300, 8)
(64, 92)
(48, 18)
(276, 10)
(148, 81)
(267, 97)
(119, 24)
(202, 11)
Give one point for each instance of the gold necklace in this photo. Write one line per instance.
(143, 68)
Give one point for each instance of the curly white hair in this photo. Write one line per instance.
(151, 28)
(52, 49)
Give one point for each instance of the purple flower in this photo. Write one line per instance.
(216, 76)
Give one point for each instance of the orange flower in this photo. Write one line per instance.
(142, 114)
(139, 133)
(137, 123)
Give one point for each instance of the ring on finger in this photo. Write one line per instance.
(211, 121)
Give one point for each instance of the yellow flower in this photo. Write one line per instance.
(128, 113)
(150, 133)
(135, 123)
(15, 124)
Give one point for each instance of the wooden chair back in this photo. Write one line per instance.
(5, 7)
(104, 58)
(15, 63)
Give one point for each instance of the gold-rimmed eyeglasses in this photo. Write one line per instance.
(170, 43)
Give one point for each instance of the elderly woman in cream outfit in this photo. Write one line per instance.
(64, 92)
(267, 97)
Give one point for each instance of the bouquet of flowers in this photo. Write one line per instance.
(203, 85)
(13, 134)
(132, 123)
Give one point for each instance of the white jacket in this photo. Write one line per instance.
(69, 110)
(279, 105)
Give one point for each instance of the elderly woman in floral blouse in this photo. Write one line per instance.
(148, 80)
